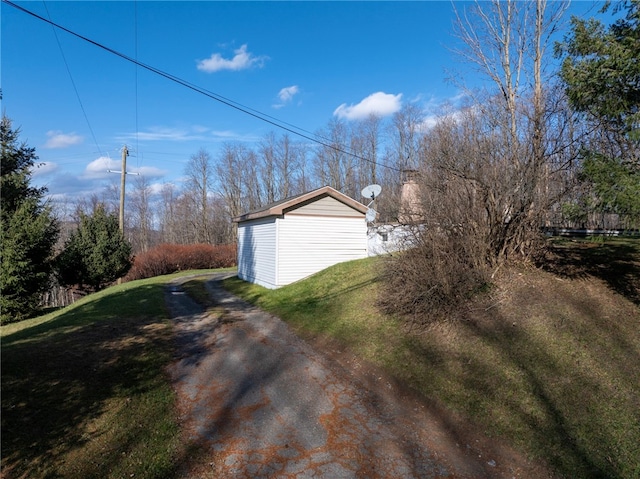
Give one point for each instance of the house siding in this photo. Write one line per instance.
(308, 244)
(257, 252)
(326, 206)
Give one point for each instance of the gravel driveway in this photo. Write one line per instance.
(261, 403)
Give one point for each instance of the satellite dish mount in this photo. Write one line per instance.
(371, 192)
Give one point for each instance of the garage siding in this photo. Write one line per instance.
(308, 244)
(326, 206)
(257, 252)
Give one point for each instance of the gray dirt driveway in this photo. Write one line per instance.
(262, 403)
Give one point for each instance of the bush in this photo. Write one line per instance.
(432, 279)
(171, 258)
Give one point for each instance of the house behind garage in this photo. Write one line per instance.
(299, 236)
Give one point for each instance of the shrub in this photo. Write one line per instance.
(171, 258)
(433, 278)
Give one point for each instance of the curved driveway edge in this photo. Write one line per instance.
(261, 403)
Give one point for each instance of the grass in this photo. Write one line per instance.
(615, 261)
(84, 389)
(338, 303)
(547, 360)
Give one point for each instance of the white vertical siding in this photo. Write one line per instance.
(308, 244)
(257, 252)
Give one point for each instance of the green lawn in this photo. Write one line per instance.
(85, 392)
(547, 361)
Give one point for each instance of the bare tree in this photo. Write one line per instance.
(268, 167)
(141, 215)
(365, 144)
(251, 185)
(167, 214)
(223, 232)
(290, 164)
(507, 42)
(402, 157)
(199, 171)
(230, 171)
(302, 178)
(333, 166)
(406, 128)
(490, 171)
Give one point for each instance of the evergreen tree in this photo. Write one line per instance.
(29, 231)
(601, 73)
(601, 70)
(96, 254)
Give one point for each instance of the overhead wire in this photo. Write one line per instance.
(73, 83)
(135, 20)
(214, 96)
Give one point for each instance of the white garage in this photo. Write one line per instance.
(297, 237)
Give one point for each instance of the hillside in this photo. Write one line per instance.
(545, 361)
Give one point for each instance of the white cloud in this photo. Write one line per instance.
(228, 135)
(104, 167)
(240, 61)
(380, 103)
(100, 167)
(438, 110)
(148, 171)
(157, 188)
(43, 169)
(200, 128)
(225, 134)
(179, 134)
(57, 139)
(429, 122)
(161, 133)
(286, 95)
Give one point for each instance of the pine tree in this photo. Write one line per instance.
(601, 73)
(29, 231)
(96, 254)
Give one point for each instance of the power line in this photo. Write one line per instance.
(73, 83)
(135, 19)
(214, 96)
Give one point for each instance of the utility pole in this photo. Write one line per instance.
(123, 174)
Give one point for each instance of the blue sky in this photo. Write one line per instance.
(303, 63)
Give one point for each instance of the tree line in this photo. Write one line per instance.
(242, 177)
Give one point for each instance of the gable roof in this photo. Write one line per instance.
(281, 207)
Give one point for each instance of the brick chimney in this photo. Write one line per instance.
(410, 208)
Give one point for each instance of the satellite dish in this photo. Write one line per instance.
(371, 215)
(371, 191)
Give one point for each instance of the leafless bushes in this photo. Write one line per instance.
(429, 280)
(170, 258)
(481, 203)
(490, 172)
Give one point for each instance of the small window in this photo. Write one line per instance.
(384, 236)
